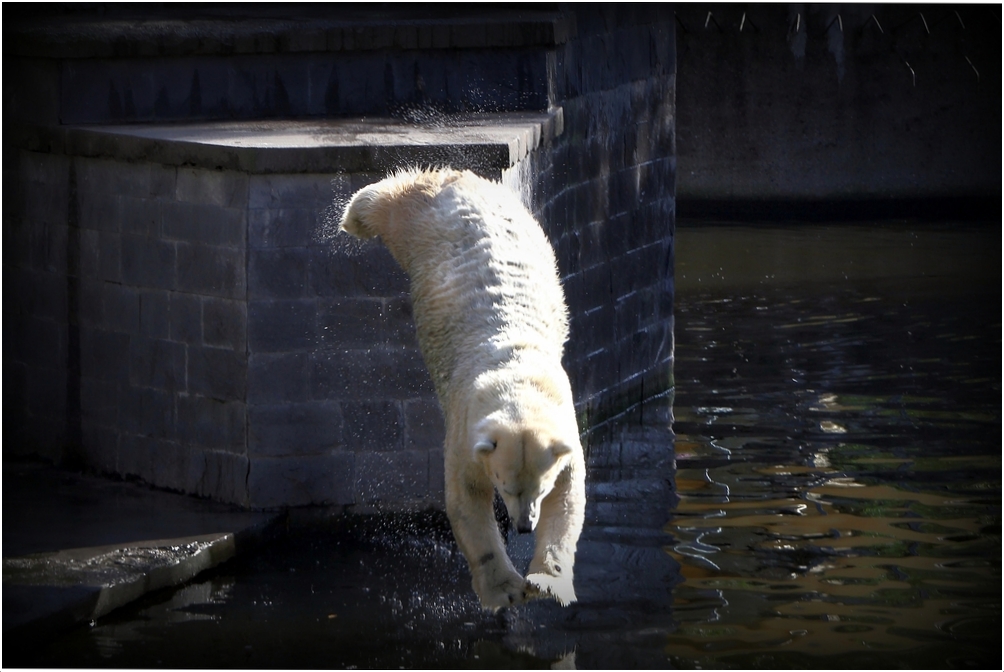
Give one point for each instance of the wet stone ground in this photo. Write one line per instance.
(831, 498)
(394, 591)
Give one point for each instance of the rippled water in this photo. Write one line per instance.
(838, 450)
(833, 499)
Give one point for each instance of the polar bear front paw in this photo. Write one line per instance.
(498, 589)
(548, 585)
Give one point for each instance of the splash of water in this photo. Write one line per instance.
(329, 232)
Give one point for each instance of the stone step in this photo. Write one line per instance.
(485, 143)
(305, 62)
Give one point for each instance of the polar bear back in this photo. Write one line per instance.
(484, 280)
(486, 289)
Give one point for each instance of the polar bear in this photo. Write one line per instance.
(492, 322)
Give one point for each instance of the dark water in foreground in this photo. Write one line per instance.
(831, 498)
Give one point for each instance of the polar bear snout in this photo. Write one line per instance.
(526, 521)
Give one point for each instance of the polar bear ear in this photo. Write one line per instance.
(560, 449)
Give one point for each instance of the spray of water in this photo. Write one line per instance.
(328, 232)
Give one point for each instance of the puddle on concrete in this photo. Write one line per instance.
(833, 499)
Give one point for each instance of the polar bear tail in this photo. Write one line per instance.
(357, 219)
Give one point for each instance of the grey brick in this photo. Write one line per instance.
(173, 464)
(303, 191)
(279, 274)
(298, 481)
(304, 428)
(102, 176)
(437, 478)
(154, 314)
(163, 181)
(281, 377)
(50, 170)
(109, 266)
(224, 323)
(46, 390)
(373, 425)
(221, 475)
(593, 329)
(212, 187)
(352, 323)
(202, 223)
(90, 252)
(423, 422)
(369, 270)
(140, 216)
(157, 363)
(373, 374)
(100, 447)
(136, 456)
(43, 206)
(631, 311)
(217, 271)
(90, 301)
(399, 322)
(99, 401)
(219, 373)
(49, 247)
(392, 477)
(40, 294)
(212, 423)
(185, 318)
(272, 228)
(99, 211)
(35, 437)
(147, 411)
(121, 308)
(104, 355)
(282, 325)
(635, 270)
(148, 262)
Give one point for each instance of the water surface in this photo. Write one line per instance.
(838, 450)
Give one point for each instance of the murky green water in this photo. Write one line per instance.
(831, 498)
(838, 451)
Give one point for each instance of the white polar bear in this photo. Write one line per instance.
(491, 321)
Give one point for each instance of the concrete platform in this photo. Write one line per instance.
(75, 547)
(486, 142)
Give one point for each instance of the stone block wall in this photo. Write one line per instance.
(605, 191)
(198, 329)
(890, 111)
(317, 61)
(139, 294)
(341, 408)
(179, 311)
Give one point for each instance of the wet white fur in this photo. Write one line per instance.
(492, 322)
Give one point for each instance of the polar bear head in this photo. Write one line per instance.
(523, 461)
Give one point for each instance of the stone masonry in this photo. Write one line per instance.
(180, 311)
(606, 196)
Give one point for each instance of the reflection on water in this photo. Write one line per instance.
(838, 454)
(833, 500)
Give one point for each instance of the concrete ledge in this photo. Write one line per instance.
(276, 29)
(118, 574)
(80, 547)
(485, 141)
